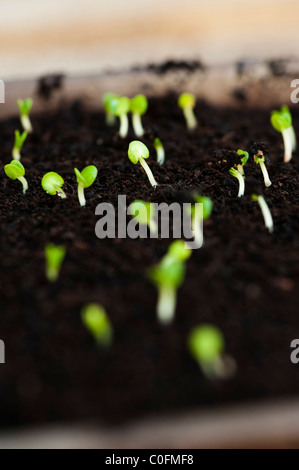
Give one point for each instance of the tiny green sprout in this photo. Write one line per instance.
(54, 255)
(282, 122)
(107, 102)
(85, 179)
(97, 323)
(52, 183)
(240, 178)
(137, 153)
(18, 144)
(120, 106)
(25, 108)
(16, 171)
(168, 276)
(259, 159)
(243, 160)
(265, 211)
(187, 102)
(206, 344)
(138, 107)
(198, 216)
(160, 151)
(145, 214)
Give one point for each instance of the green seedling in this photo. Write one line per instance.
(138, 153)
(168, 276)
(108, 106)
(18, 144)
(54, 255)
(259, 159)
(25, 108)
(198, 216)
(52, 183)
(160, 151)
(206, 344)
(120, 106)
(95, 319)
(138, 107)
(85, 179)
(243, 161)
(187, 102)
(16, 171)
(144, 213)
(282, 122)
(265, 211)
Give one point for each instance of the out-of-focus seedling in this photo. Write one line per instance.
(85, 179)
(18, 144)
(54, 255)
(120, 106)
(206, 344)
(108, 106)
(96, 320)
(168, 276)
(243, 160)
(282, 122)
(144, 213)
(52, 183)
(198, 216)
(138, 153)
(265, 211)
(138, 107)
(187, 102)
(25, 108)
(160, 151)
(16, 171)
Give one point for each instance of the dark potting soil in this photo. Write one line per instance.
(244, 280)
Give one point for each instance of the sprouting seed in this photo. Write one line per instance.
(206, 344)
(187, 102)
(259, 159)
(243, 160)
(240, 178)
(120, 107)
(198, 215)
(282, 122)
(85, 179)
(160, 151)
(265, 211)
(144, 213)
(52, 183)
(107, 102)
(16, 171)
(25, 108)
(138, 153)
(18, 144)
(168, 276)
(98, 324)
(138, 107)
(54, 255)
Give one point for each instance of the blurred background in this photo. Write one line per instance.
(88, 36)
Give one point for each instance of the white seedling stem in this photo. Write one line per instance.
(160, 154)
(81, 195)
(137, 125)
(24, 183)
(265, 174)
(26, 123)
(166, 304)
(124, 125)
(148, 172)
(190, 118)
(288, 140)
(266, 213)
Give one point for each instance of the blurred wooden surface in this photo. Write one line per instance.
(81, 36)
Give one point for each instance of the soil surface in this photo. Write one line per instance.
(244, 280)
